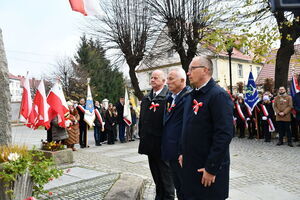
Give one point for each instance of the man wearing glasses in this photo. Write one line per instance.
(207, 132)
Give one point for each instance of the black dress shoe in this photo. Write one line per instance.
(290, 145)
(98, 144)
(279, 143)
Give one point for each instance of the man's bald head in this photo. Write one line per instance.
(200, 71)
(158, 79)
(203, 61)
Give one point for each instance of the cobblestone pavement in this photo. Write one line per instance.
(259, 171)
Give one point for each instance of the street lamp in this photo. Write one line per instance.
(229, 51)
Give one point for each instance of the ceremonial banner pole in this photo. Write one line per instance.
(89, 115)
(256, 124)
(252, 98)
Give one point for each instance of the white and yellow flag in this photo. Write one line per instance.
(89, 114)
(127, 113)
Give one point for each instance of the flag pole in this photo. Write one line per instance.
(256, 123)
(86, 135)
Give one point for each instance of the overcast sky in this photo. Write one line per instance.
(37, 33)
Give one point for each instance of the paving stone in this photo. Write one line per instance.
(253, 163)
(63, 180)
(235, 174)
(83, 173)
(269, 191)
(135, 159)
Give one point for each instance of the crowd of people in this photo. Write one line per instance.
(107, 121)
(186, 132)
(274, 113)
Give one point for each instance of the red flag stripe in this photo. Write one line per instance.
(78, 5)
(127, 121)
(58, 105)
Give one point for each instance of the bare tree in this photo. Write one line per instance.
(187, 23)
(285, 23)
(126, 26)
(73, 79)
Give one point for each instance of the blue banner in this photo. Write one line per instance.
(295, 86)
(251, 98)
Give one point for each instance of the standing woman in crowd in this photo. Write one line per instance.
(99, 126)
(73, 127)
(115, 115)
(267, 113)
(103, 134)
(242, 116)
(109, 124)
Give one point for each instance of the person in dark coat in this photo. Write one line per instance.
(121, 122)
(115, 131)
(241, 115)
(267, 114)
(207, 133)
(99, 124)
(295, 124)
(150, 133)
(109, 124)
(103, 134)
(176, 81)
(82, 124)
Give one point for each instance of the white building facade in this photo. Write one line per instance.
(15, 88)
(166, 59)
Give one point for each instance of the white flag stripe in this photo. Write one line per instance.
(92, 7)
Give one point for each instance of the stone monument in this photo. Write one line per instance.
(5, 128)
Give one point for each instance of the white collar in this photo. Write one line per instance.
(158, 91)
(202, 86)
(175, 95)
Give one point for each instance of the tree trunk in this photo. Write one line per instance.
(286, 49)
(135, 83)
(283, 58)
(186, 60)
(5, 128)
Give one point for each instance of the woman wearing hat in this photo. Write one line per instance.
(73, 127)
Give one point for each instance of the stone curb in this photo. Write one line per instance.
(127, 187)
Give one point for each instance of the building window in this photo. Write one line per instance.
(257, 70)
(240, 70)
(170, 53)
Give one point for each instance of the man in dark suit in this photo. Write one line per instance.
(150, 133)
(176, 82)
(120, 120)
(82, 124)
(207, 133)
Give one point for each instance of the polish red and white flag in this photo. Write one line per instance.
(86, 7)
(41, 107)
(58, 105)
(26, 114)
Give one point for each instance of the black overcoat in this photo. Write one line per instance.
(205, 142)
(151, 123)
